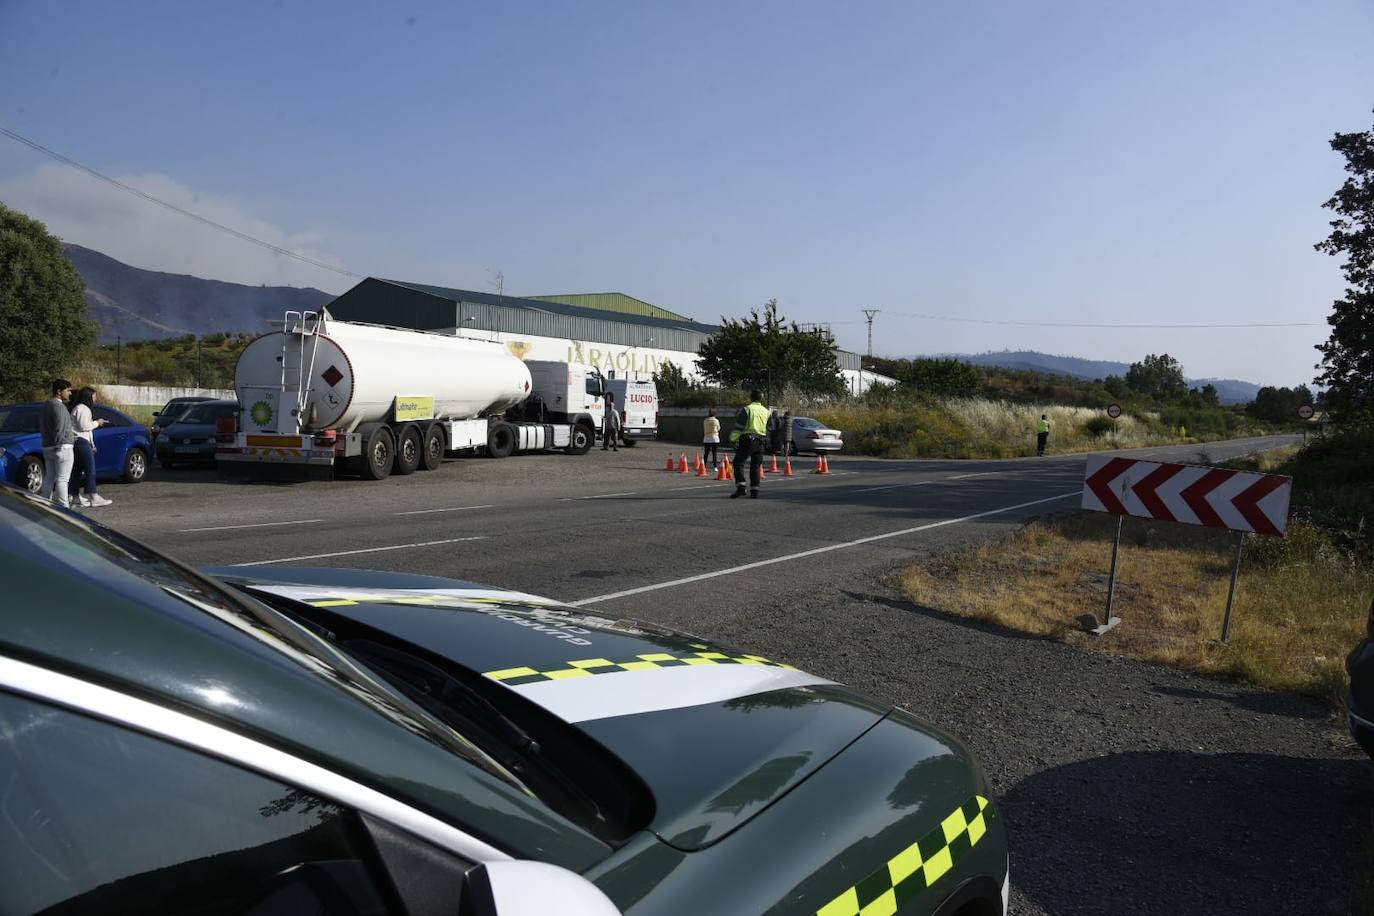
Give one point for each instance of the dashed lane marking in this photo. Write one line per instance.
(349, 553)
(304, 521)
(818, 550)
(452, 509)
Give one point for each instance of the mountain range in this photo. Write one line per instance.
(136, 304)
(1229, 390)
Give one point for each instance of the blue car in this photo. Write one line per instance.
(122, 448)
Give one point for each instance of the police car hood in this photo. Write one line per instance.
(717, 735)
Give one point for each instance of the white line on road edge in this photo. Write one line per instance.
(978, 474)
(811, 553)
(453, 509)
(349, 553)
(304, 521)
(564, 499)
(893, 486)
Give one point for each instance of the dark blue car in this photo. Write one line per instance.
(122, 448)
(191, 436)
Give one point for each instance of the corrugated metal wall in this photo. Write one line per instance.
(612, 302)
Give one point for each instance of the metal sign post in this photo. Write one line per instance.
(1114, 411)
(1111, 621)
(1231, 595)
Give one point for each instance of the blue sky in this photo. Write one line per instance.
(1063, 162)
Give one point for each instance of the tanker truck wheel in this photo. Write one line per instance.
(379, 454)
(434, 446)
(580, 442)
(408, 450)
(500, 440)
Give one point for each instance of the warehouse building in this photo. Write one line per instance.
(618, 334)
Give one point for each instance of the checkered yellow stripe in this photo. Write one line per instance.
(587, 667)
(917, 867)
(408, 599)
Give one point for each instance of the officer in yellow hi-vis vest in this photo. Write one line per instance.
(1042, 434)
(750, 433)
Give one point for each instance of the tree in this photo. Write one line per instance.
(670, 380)
(1347, 366)
(945, 377)
(43, 323)
(1159, 378)
(1279, 405)
(766, 352)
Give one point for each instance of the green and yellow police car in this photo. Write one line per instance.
(290, 740)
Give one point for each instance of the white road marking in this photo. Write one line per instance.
(700, 486)
(893, 486)
(349, 553)
(966, 476)
(564, 499)
(304, 521)
(453, 509)
(818, 550)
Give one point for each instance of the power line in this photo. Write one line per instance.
(1074, 324)
(173, 207)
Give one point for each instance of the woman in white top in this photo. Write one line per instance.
(83, 464)
(710, 437)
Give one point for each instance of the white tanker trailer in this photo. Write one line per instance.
(323, 393)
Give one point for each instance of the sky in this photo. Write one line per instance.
(1060, 162)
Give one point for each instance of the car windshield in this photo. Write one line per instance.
(810, 423)
(205, 413)
(19, 419)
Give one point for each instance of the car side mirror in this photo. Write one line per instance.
(524, 888)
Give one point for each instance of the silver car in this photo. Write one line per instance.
(810, 435)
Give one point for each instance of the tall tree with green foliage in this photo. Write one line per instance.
(1347, 366)
(1159, 378)
(43, 324)
(765, 351)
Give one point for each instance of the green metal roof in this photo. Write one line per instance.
(613, 302)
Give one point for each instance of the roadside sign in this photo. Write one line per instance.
(1114, 411)
(1190, 494)
(1305, 412)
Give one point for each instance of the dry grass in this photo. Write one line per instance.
(1300, 606)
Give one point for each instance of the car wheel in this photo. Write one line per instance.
(31, 473)
(379, 454)
(135, 465)
(408, 451)
(435, 445)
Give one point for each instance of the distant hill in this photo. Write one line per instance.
(1231, 391)
(138, 304)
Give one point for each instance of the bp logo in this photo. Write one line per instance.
(261, 412)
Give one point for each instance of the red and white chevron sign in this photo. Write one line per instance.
(1188, 493)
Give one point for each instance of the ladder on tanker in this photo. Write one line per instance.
(297, 329)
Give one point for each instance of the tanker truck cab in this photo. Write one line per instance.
(637, 402)
(327, 395)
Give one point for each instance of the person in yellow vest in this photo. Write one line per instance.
(749, 436)
(1042, 434)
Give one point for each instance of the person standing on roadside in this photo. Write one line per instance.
(610, 426)
(710, 437)
(787, 432)
(55, 426)
(1042, 434)
(83, 451)
(750, 435)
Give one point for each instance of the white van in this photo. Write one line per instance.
(637, 403)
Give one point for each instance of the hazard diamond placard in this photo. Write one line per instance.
(1188, 493)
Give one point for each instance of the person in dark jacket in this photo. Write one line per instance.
(55, 426)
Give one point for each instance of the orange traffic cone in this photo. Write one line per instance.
(820, 463)
(701, 467)
(825, 465)
(682, 465)
(787, 466)
(774, 468)
(672, 465)
(763, 471)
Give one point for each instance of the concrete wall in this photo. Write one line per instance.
(683, 424)
(154, 395)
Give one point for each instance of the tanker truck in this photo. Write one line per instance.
(328, 395)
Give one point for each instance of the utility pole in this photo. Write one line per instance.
(119, 356)
(869, 313)
(200, 377)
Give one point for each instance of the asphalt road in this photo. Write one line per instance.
(1126, 787)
